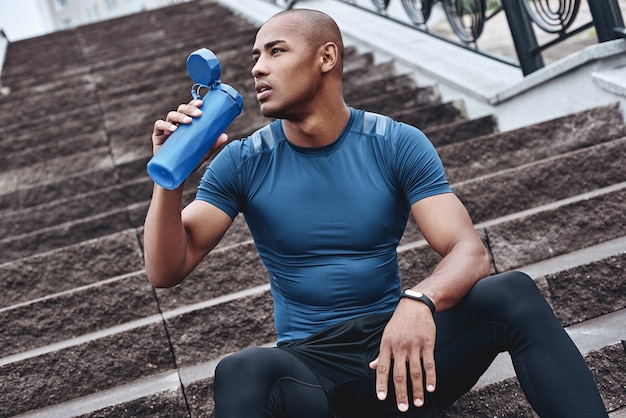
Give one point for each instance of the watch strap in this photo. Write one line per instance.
(419, 296)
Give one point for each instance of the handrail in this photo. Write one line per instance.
(468, 18)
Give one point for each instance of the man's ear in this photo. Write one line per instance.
(329, 56)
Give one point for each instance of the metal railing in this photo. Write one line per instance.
(468, 18)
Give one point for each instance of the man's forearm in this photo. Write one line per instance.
(165, 238)
(455, 274)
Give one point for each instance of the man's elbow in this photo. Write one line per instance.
(159, 280)
(158, 283)
(161, 284)
(483, 262)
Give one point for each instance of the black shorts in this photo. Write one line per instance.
(340, 357)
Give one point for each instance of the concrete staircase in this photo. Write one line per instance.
(84, 334)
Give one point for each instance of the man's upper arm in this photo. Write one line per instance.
(447, 227)
(443, 221)
(205, 225)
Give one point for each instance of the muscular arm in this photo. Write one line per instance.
(410, 334)
(447, 227)
(175, 241)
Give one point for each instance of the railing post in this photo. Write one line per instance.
(524, 37)
(607, 17)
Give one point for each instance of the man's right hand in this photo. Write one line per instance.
(183, 115)
(164, 128)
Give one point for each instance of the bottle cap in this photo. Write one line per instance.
(203, 67)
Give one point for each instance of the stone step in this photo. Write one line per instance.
(81, 309)
(360, 78)
(77, 207)
(34, 132)
(459, 131)
(565, 226)
(393, 83)
(41, 173)
(619, 413)
(585, 291)
(71, 267)
(411, 100)
(31, 58)
(41, 153)
(500, 151)
(425, 116)
(545, 181)
(158, 396)
(98, 363)
(28, 60)
(112, 256)
(19, 196)
(47, 101)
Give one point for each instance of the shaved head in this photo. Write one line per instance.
(317, 27)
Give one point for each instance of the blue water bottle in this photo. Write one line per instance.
(185, 148)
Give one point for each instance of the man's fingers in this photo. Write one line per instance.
(185, 113)
(415, 371)
(400, 385)
(382, 376)
(428, 362)
(176, 118)
(161, 127)
(191, 109)
(418, 369)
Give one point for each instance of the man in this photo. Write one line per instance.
(326, 191)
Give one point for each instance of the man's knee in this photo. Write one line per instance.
(508, 283)
(243, 363)
(509, 295)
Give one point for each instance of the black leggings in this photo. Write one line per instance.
(504, 312)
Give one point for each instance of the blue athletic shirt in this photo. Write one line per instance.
(326, 221)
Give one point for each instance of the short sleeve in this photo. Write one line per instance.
(418, 166)
(220, 183)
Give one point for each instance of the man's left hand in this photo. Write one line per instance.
(408, 339)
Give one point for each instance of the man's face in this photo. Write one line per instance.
(286, 70)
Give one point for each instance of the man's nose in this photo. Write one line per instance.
(258, 69)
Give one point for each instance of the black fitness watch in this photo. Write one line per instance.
(419, 296)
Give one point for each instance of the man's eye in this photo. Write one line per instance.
(276, 50)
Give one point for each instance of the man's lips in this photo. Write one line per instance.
(262, 90)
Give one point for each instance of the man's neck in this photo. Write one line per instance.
(318, 129)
